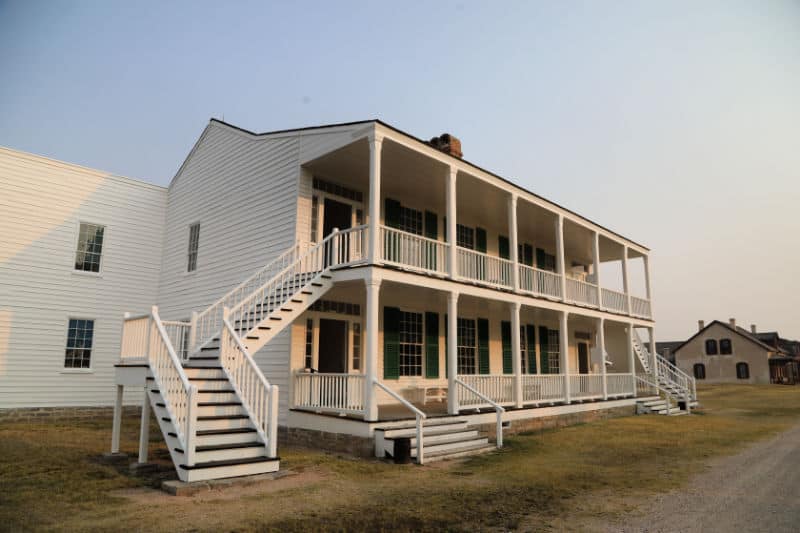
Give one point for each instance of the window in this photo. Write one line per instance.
(742, 371)
(553, 355)
(332, 306)
(338, 190)
(356, 346)
(410, 220)
(466, 346)
(700, 371)
(79, 343)
(359, 217)
(410, 345)
(314, 217)
(194, 242)
(725, 347)
(711, 347)
(465, 237)
(90, 247)
(523, 349)
(309, 343)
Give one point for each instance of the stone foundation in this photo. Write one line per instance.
(322, 440)
(55, 414)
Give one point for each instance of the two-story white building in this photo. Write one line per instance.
(353, 281)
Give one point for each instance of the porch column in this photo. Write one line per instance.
(144, 429)
(596, 268)
(375, 148)
(116, 425)
(516, 353)
(601, 344)
(560, 256)
(625, 285)
(646, 259)
(653, 353)
(631, 357)
(452, 352)
(371, 364)
(451, 223)
(513, 240)
(563, 349)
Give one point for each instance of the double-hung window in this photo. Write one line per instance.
(194, 244)
(356, 345)
(90, 247)
(467, 346)
(553, 351)
(410, 343)
(410, 220)
(465, 237)
(523, 349)
(80, 336)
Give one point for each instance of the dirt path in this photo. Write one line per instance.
(756, 490)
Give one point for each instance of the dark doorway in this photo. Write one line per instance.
(332, 346)
(337, 215)
(583, 358)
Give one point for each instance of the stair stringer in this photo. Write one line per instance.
(165, 425)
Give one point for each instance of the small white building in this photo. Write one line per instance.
(363, 282)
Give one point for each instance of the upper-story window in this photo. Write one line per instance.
(725, 347)
(338, 190)
(711, 347)
(90, 247)
(314, 217)
(194, 244)
(465, 237)
(80, 336)
(410, 220)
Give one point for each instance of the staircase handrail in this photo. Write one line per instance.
(259, 397)
(207, 324)
(654, 383)
(681, 378)
(646, 363)
(420, 416)
(498, 409)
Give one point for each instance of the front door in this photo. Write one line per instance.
(332, 346)
(583, 358)
(340, 216)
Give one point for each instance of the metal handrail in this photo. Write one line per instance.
(419, 415)
(499, 410)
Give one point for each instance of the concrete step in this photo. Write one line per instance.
(426, 430)
(464, 452)
(446, 436)
(454, 446)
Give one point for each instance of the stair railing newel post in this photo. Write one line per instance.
(191, 423)
(192, 335)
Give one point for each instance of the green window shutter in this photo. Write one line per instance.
(483, 346)
(530, 335)
(431, 345)
(391, 343)
(528, 255)
(503, 248)
(431, 225)
(540, 260)
(480, 240)
(392, 215)
(545, 366)
(505, 333)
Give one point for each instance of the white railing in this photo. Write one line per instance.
(498, 409)
(640, 307)
(539, 282)
(259, 398)
(581, 292)
(420, 416)
(340, 393)
(260, 303)
(642, 352)
(619, 384)
(135, 337)
(178, 333)
(543, 388)
(483, 268)
(408, 250)
(676, 377)
(500, 388)
(586, 386)
(208, 323)
(615, 301)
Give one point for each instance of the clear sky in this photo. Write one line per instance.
(674, 123)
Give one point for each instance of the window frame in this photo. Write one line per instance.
(697, 366)
(460, 243)
(77, 241)
(78, 370)
(405, 343)
(196, 251)
(729, 344)
(707, 343)
(746, 367)
(459, 346)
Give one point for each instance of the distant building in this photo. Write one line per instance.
(723, 352)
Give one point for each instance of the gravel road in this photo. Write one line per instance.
(755, 490)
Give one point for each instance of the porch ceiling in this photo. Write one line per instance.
(348, 166)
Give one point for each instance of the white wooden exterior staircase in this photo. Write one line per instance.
(443, 438)
(216, 410)
(672, 384)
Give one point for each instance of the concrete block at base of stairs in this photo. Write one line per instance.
(176, 487)
(115, 457)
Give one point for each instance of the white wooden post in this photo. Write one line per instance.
(631, 357)
(335, 245)
(646, 260)
(451, 224)
(144, 429)
(516, 353)
(560, 268)
(653, 353)
(625, 284)
(116, 425)
(596, 267)
(563, 354)
(192, 335)
(601, 344)
(191, 426)
(452, 353)
(272, 429)
(371, 364)
(375, 148)
(513, 240)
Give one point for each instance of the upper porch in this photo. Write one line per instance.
(433, 214)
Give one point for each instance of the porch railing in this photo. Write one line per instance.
(542, 388)
(178, 333)
(585, 386)
(135, 337)
(485, 269)
(640, 307)
(339, 393)
(615, 301)
(498, 409)
(420, 416)
(413, 251)
(619, 384)
(539, 282)
(581, 292)
(500, 388)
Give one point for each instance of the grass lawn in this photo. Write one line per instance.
(51, 476)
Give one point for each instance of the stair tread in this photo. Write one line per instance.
(218, 391)
(228, 431)
(230, 462)
(222, 417)
(231, 446)
(444, 442)
(442, 453)
(212, 404)
(432, 433)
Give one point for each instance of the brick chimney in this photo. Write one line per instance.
(448, 144)
(732, 322)
(753, 329)
(701, 324)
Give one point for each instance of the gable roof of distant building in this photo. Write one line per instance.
(738, 330)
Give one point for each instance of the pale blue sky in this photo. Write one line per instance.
(674, 123)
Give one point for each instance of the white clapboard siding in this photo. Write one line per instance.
(42, 204)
